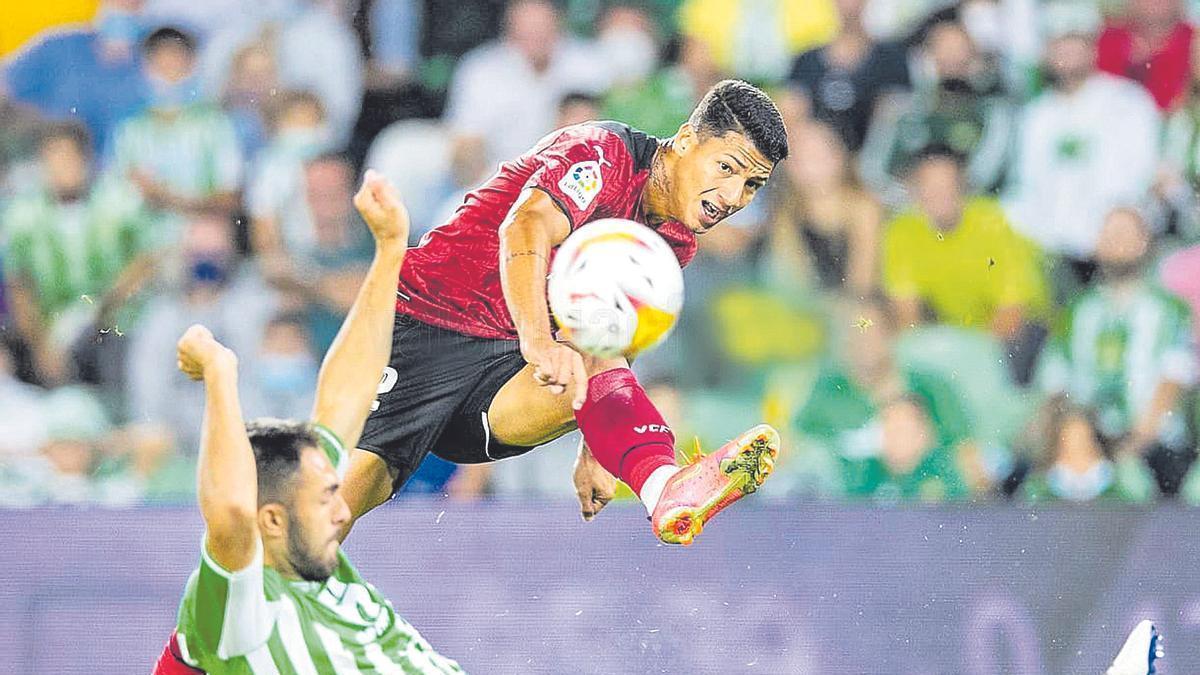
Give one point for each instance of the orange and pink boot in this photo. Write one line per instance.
(709, 483)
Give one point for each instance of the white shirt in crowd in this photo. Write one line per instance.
(496, 94)
(1079, 156)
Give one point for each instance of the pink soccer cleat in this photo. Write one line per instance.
(709, 483)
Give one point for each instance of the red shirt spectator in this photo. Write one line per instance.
(1153, 46)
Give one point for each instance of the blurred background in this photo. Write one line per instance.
(975, 282)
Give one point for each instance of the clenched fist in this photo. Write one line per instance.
(379, 203)
(199, 353)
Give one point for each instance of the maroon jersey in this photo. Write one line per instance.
(592, 171)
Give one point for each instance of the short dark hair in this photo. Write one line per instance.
(66, 130)
(577, 97)
(278, 446)
(737, 106)
(168, 35)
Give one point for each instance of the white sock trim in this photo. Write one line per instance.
(653, 487)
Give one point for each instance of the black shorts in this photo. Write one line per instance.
(434, 397)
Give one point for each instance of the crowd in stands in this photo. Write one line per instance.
(977, 277)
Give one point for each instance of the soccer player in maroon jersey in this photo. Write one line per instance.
(476, 373)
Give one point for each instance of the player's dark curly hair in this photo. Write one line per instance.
(278, 446)
(736, 106)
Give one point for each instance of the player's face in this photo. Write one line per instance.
(316, 518)
(715, 178)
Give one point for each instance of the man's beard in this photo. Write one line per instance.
(304, 563)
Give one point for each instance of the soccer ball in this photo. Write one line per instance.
(615, 288)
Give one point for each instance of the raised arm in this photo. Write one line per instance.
(350, 372)
(228, 480)
(533, 227)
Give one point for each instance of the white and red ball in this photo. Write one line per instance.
(615, 288)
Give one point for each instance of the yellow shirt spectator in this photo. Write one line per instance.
(967, 274)
(756, 39)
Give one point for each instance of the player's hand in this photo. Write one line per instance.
(379, 203)
(594, 485)
(557, 367)
(199, 353)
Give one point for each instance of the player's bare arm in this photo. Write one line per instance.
(346, 385)
(228, 488)
(534, 226)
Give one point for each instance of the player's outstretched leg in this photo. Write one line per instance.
(629, 438)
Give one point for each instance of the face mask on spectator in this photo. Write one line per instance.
(171, 96)
(305, 141)
(631, 55)
(209, 271)
(286, 373)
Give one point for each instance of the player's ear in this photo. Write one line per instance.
(272, 520)
(685, 139)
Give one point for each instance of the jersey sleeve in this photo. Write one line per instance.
(226, 614)
(585, 172)
(333, 447)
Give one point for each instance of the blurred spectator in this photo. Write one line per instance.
(958, 257)
(1179, 173)
(826, 226)
(1127, 355)
(469, 165)
(1075, 467)
(74, 252)
(1153, 45)
(628, 44)
(395, 34)
(252, 86)
(18, 147)
(209, 17)
(23, 424)
(314, 48)
(280, 219)
(182, 154)
(324, 280)
(219, 291)
(756, 39)
(844, 80)
(422, 184)
(1179, 276)
(61, 471)
(282, 377)
(90, 74)
(140, 465)
(663, 101)
(843, 409)
(1086, 145)
(508, 91)
(911, 464)
(962, 108)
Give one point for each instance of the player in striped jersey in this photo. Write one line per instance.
(274, 593)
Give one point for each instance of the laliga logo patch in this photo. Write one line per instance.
(582, 183)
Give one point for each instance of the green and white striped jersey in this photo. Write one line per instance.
(70, 250)
(1116, 352)
(255, 621)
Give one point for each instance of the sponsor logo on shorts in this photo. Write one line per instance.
(652, 429)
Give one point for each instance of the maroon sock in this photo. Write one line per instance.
(623, 429)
